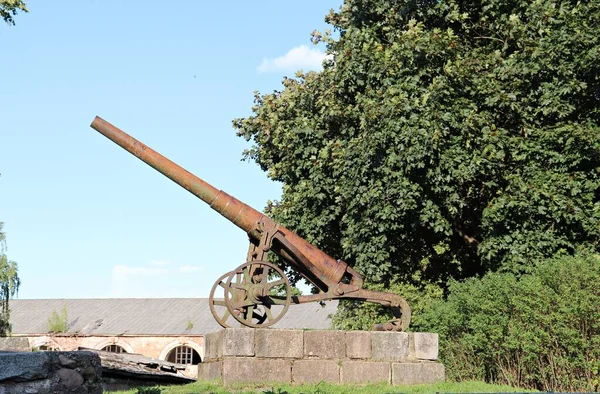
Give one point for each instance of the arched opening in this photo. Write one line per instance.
(184, 355)
(49, 348)
(115, 345)
(114, 349)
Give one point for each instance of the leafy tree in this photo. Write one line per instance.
(9, 284)
(442, 139)
(9, 8)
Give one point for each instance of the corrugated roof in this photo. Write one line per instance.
(146, 316)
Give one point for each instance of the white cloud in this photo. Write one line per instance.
(190, 268)
(122, 272)
(301, 57)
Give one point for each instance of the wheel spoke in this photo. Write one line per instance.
(225, 316)
(268, 312)
(276, 283)
(219, 303)
(249, 313)
(222, 284)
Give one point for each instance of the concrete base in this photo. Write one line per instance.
(244, 355)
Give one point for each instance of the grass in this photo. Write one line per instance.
(323, 388)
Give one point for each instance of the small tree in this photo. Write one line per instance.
(58, 323)
(9, 284)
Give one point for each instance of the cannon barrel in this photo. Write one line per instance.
(319, 267)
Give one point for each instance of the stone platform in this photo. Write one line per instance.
(245, 355)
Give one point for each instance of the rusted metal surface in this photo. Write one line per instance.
(242, 291)
(255, 288)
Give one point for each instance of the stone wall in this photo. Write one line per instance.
(243, 355)
(50, 372)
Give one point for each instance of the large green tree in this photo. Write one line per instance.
(443, 138)
(9, 284)
(9, 9)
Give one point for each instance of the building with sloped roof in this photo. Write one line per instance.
(170, 329)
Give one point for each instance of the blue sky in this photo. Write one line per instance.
(85, 219)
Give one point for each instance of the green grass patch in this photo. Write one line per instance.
(324, 388)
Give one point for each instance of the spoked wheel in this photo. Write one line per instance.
(259, 294)
(216, 301)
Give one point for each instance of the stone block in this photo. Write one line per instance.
(426, 345)
(238, 342)
(358, 344)
(14, 344)
(389, 346)
(324, 344)
(70, 378)
(315, 371)
(24, 366)
(252, 370)
(273, 343)
(210, 370)
(50, 372)
(213, 346)
(66, 361)
(359, 372)
(38, 386)
(417, 373)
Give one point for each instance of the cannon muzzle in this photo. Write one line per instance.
(236, 211)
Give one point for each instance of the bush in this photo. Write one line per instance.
(358, 315)
(541, 330)
(58, 323)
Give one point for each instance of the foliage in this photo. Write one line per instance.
(58, 323)
(356, 315)
(9, 284)
(540, 330)
(9, 9)
(217, 388)
(189, 324)
(449, 138)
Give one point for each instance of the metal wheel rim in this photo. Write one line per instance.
(269, 321)
(222, 320)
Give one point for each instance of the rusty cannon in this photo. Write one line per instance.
(258, 292)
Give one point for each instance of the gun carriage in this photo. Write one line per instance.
(258, 293)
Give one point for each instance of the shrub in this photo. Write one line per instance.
(358, 315)
(58, 323)
(540, 330)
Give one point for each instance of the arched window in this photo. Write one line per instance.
(184, 355)
(48, 348)
(114, 349)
